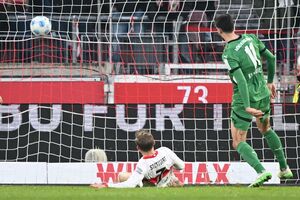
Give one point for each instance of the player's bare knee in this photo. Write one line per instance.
(235, 144)
(263, 127)
(236, 141)
(123, 176)
(260, 129)
(264, 130)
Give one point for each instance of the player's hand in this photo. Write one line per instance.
(98, 185)
(272, 89)
(1, 100)
(175, 183)
(254, 112)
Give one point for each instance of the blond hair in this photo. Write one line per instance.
(144, 140)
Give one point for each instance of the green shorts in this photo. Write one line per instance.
(242, 120)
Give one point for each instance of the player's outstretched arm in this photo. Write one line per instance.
(178, 163)
(272, 89)
(243, 88)
(266, 54)
(132, 182)
(271, 64)
(271, 71)
(135, 178)
(242, 85)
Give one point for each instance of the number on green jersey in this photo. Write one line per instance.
(250, 51)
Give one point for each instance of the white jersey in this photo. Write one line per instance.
(156, 169)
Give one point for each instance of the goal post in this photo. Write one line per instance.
(111, 67)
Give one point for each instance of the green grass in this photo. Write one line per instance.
(185, 193)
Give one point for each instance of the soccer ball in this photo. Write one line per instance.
(40, 26)
(95, 155)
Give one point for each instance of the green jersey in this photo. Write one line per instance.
(244, 53)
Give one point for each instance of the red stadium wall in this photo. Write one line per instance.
(55, 92)
(132, 93)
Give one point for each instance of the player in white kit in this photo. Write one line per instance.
(155, 167)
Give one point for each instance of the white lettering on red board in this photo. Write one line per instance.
(198, 89)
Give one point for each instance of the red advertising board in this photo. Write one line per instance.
(172, 93)
(75, 92)
(199, 175)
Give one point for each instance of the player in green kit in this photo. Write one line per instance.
(251, 96)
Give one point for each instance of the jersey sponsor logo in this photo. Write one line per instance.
(257, 71)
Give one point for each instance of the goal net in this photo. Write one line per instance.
(110, 68)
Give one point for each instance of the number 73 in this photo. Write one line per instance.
(197, 89)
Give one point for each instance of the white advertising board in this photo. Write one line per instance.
(87, 173)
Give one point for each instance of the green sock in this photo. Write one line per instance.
(276, 147)
(250, 156)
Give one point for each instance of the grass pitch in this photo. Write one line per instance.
(185, 193)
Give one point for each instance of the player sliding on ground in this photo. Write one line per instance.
(251, 97)
(155, 167)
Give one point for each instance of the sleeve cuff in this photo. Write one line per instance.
(263, 50)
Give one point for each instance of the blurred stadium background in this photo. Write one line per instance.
(111, 67)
